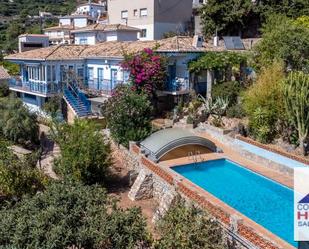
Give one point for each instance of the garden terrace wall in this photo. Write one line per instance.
(239, 229)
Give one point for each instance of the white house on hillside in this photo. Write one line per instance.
(97, 33)
(59, 34)
(152, 17)
(44, 72)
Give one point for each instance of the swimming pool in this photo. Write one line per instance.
(264, 201)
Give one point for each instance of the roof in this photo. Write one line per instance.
(33, 35)
(77, 16)
(114, 49)
(105, 28)
(163, 141)
(59, 27)
(85, 4)
(4, 75)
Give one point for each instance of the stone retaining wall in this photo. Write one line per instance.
(164, 187)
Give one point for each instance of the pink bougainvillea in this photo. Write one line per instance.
(147, 70)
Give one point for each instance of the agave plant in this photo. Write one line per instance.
(214, 107)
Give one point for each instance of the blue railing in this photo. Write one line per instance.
(80, 95)
(104, 85)
(78, 107)
(35, 87)
(178, 85)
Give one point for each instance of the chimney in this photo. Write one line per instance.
(198, 41)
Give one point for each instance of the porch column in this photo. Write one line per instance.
(210, 80)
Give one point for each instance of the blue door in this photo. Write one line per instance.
(171, 78)
(113, 78)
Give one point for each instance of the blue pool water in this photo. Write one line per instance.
(260, 199)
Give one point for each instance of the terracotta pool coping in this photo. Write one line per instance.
(231, 155)
(237, 158)
(231, 211)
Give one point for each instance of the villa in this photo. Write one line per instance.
(76, 69)
(97, 68)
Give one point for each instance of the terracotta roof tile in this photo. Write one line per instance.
(113, 49)
(105, 27)
(59, 27)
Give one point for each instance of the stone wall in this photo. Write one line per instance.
(159, 183)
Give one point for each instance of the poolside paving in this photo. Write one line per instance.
(231, 154)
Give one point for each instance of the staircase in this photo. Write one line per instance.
(77, 101)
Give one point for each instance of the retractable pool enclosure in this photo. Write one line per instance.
(160, 143)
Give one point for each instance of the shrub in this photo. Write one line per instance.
(188, 228)
(18, 176)
(4, 90)
(147, 70)
(53, 106)
(230, 90)
(17, 123)
(65, 215)
(286, 40)
(235, 111)
(85, 152)
(128, 115)
(265, 99)
(259, 125)
(296, 96)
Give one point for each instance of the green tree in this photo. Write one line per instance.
(284, 40)
(228, 17)
(296, 94)
(85, 152)
(65, 215)
(264, 103)
(128, 115)
(18, 176)
(188, 228)
(17, 123)
(233, 17)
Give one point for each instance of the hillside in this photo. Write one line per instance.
(15, 20)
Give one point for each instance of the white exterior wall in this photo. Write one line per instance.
(107, 66)
(80, 22)
(65, 21)
(90, 9)
(146, 22)
(162, 15)
(90, 37)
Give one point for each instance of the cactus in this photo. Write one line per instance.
(296, 93)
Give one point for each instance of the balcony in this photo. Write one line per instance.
(101, 87)
(177, 86)
(37, 88)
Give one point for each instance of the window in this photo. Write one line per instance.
(143, 12)
(144, 33)
(59, 33)
(124, 14)
(135, 13)
(83, 41)
(90, 75)
(80, 73)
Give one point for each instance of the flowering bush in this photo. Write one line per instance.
(128, 115)
(147, 70)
